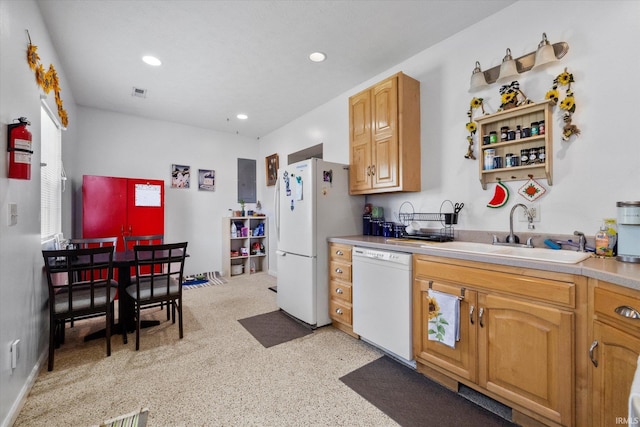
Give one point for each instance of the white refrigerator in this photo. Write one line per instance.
(312, 204)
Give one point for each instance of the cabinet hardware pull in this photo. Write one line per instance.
(373, 170)
(339, 252)
(471, 309)
(368, 170)
(628, 312)
(338, 270)
(339, 291)
(480, 317)
(339, 310)
(593, 347)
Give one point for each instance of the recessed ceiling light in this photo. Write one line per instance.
(242, 116)
(317, 57)
(152, 60)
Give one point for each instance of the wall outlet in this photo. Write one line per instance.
(534, 208)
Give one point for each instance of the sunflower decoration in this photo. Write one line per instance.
(568, 104)
(471, 126)
(32, 56)
(434, 308)
(512, 96)
(47, 80)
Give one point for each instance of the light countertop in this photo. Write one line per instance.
(607, 269)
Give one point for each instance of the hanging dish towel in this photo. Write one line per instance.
(634, 397)
(444, 318)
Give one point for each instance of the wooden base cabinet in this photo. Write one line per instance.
(516, 338)
(340, 295)
(613, 353)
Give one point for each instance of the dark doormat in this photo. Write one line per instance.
(412, 399)
(274, 328)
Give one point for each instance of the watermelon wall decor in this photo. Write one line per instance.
(500, 196)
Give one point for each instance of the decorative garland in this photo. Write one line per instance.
(47, 80)
(568, 104)
(472, 126)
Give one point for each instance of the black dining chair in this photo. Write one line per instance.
(158, 279)
(93, 242)
(149, 239)
(80, 285)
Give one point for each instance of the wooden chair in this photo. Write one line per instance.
(93, 242)
(85, 290)
(150, 239)
(159, 277)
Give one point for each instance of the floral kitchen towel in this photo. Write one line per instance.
(444, 318)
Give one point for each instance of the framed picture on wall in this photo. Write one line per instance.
(272, 169)
(206, 179)
(180, 176)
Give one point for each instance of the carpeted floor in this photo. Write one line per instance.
(217, 375)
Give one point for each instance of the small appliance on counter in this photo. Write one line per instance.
(628, 231)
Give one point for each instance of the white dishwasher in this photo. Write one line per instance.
(382, 300)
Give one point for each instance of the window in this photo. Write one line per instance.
(51, 174)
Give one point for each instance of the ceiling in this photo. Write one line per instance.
(221, 58)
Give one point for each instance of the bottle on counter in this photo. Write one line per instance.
(602, 241)
(612, 232)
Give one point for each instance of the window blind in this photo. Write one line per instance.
(51, 174)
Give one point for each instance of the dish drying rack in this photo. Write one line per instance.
(446, 219)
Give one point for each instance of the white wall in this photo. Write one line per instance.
(114, 144)
(23, 292)
(591, 172)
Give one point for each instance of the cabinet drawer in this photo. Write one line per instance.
(340, 270)
(606, 302)
(340, 312)
(340, 252)
(538, 288)
(341, 291)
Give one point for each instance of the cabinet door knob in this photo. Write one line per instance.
(471, 309)
(339, 311)
(628, 312)
(338, 270)
(373, 170)
(368, 170)
(480, 317)
(339, 291)
(591, 349)
(339, 252)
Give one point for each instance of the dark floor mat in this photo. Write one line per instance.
(411, 399)
(274, 328)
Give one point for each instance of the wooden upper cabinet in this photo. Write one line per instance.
(384, 137)
(360, 138)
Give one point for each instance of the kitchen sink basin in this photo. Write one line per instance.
(534, 254)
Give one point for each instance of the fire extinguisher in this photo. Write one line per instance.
(19, 148)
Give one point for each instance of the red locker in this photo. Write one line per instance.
(113, 206)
